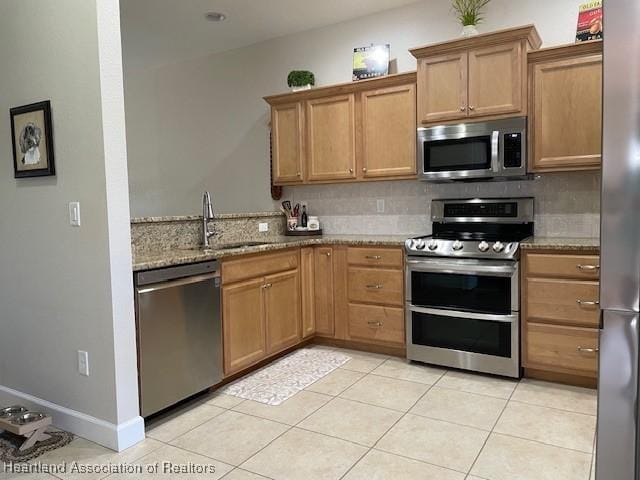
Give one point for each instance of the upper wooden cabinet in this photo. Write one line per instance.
(388, 132)
(358, 131)
(331, 135)
(477, 77)
(288, 147)
(565, 121)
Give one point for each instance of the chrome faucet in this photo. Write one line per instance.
(207, 216)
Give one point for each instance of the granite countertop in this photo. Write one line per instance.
(169, 258)
(557, 243)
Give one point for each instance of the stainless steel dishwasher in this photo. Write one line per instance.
(179, 330)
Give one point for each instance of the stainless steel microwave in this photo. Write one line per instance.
(495, 149)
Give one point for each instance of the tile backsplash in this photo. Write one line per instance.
(566, 204)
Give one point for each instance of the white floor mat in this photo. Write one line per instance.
(284, 378)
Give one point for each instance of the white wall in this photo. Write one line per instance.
(65, 289)
(203, 124)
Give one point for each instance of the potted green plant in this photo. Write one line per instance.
(469, 13)
(301, 80)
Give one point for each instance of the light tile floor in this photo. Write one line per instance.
(375, 418)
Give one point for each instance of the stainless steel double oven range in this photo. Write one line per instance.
(463, 288)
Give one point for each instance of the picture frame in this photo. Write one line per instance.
(371, 61)
(32, 140)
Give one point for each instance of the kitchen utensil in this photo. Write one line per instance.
(287, 206)
(296, 210)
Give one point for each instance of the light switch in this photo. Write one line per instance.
(83, 363)
(263, 227)
(74, 214)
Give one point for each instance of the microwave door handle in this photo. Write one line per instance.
(495, 151)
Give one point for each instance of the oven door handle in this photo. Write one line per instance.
(470, 315)
(505, 270)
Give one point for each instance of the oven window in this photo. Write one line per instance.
(472, 293)
(473, 153)
(467, 335)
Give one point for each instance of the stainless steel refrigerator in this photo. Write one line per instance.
(618, 424)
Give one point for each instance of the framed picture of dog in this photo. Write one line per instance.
(32, 135)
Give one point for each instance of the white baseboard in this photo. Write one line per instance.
(116, 437)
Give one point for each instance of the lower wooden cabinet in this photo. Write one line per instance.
(560, 315)
(243, 324)
(260, 316)
(324, 291)
(377, 324)
(282, 309)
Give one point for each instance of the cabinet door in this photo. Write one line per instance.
(307, 280)
(567, 114)
(243, 325)
(442, 88)
(496, 80)
(282, 306)
(331, 138)
(389, 132)
(324, 291)
(287, 124)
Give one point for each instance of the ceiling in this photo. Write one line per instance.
(157, 32)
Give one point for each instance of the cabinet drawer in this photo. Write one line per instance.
(562, 348)
(258, 266)
(570, 302)
(375, 285)
(378, 324)
(563, 266)
(375, 257)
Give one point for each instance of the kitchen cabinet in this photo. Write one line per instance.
(243, 324)
(388, 132)
(332, 137)
(282, 310)
(481, 77)
(308, 296)
(560, 315)
(324, 289)
(352, 132)
(565, 123)
(261, 312)
(375, 296)
(287, 123)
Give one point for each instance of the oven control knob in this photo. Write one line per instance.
(432, 245)
(457, 245)
(419, 244)
(483, 246)
(498, 247)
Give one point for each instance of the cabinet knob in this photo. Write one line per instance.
(298, 174)
(328, 254)
(351, 170)
(364, 169)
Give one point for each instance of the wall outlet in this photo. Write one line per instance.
(74, 214)
(380, 205)
(83, 363)
(263, 227)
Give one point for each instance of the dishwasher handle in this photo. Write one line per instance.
(178, 283)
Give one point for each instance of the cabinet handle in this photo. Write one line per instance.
(588, 268)
(267, 285)
(375, 287)
(351, 170)
(463, 108)
(471, 107)
(588, 350)
(375, 324)
(373, 257)
(328, 254)
(299, 174)
(586, 303)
